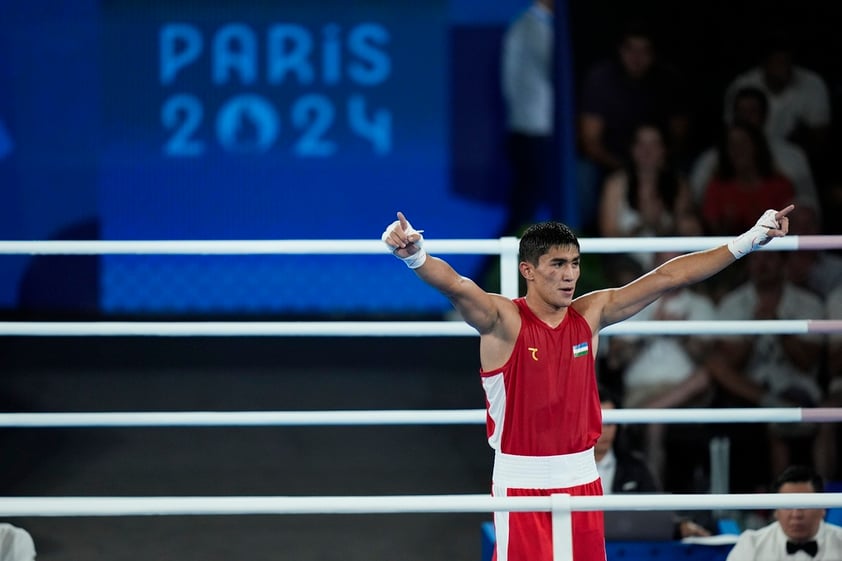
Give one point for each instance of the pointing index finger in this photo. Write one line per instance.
(404, 222)
(782, 213)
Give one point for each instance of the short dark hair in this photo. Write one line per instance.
(777, 40)
(799, 474)
(539, 238)
(637, 28)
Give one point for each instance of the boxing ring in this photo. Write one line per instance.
(560, 506)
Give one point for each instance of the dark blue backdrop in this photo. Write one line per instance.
(257, 120)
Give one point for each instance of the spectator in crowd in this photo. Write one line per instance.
(746, 182)
(817, 271)
(769, 370)
(618, 94)
(647, 196)
(665, 371)
(799, 98)
(621, 469)
(527, 82)
(751, 105)
(624, 470)
(797, 533)
(831, 201)
(825, 449)
(526, 71)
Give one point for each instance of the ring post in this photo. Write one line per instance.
(562, 527)
(509, 273)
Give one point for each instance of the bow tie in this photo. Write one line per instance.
(810, 548)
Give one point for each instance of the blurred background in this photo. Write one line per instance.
(182, 120)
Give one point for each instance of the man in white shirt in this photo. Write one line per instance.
(799, 99)
(798, 96)
(527, 70)
(817, 271)
(664, 371)
(768, 370)
(826, 446)
(527, 83)
(623, 470)
(798, 534)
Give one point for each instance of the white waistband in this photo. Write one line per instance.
(544, 472)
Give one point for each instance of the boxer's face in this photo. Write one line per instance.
(555, 276)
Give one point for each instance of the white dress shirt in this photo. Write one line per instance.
(769, 363)
(769, 544)
(805, 101)
(607, 467)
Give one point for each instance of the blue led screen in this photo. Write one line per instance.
(128, 120)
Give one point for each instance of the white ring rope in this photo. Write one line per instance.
(397, 417)
(506, 248)
(145, 506)
(334, 247)
(243, 418)
(388, 328)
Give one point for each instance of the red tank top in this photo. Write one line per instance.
(544, 400)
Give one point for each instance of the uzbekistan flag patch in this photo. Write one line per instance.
(580, 350)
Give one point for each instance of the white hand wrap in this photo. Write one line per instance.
(756, 237)
(416, 259)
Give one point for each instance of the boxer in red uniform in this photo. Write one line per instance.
(537, 357)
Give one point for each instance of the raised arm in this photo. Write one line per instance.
(477, 307)
(610, 306)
